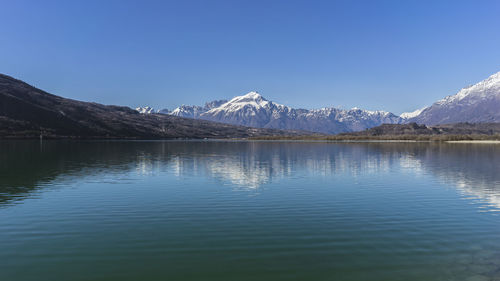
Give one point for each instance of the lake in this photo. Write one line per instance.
(222, 210)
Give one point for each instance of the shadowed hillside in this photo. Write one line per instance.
(27, 112)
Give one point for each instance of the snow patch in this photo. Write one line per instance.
(145, 109)
(408, 115)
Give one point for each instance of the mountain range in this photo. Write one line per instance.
(28, 112)
(254, 110)
(477, 103)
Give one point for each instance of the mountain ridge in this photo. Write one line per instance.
(477, 103)
(253, 110)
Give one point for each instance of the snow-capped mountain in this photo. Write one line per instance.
(194, 111)
(250, 110)
(188, 111)
(478, 103)
(255, 111)
(145, 109)
(475, 104)
(150, 110)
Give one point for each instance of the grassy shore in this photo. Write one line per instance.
(345, 137)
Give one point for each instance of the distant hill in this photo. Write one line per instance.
(445, 129)
(27, 112)
(476, 103)
(411, 131)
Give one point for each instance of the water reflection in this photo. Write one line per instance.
(159, 209)
(26, 166)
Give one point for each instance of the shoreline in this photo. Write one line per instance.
(476, 141)
(259, 140)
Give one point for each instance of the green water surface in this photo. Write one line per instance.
(197, 210)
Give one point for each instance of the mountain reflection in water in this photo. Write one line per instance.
(26, 167)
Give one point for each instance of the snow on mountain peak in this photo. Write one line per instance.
(477, 103)
(483, 89)
(145, 109)
(250, 97)
(249, 100)
(190, 111)
(253, 110)
(495, 78)
(253, 95)
(408, 115)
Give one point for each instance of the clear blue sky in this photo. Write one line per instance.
(391, 55)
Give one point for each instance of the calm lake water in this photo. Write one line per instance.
(249, 211)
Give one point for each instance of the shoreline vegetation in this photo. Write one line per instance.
(389, 138)
(346, 137)
(410, 132)
(458, 133)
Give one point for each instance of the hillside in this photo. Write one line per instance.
(27, 112)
